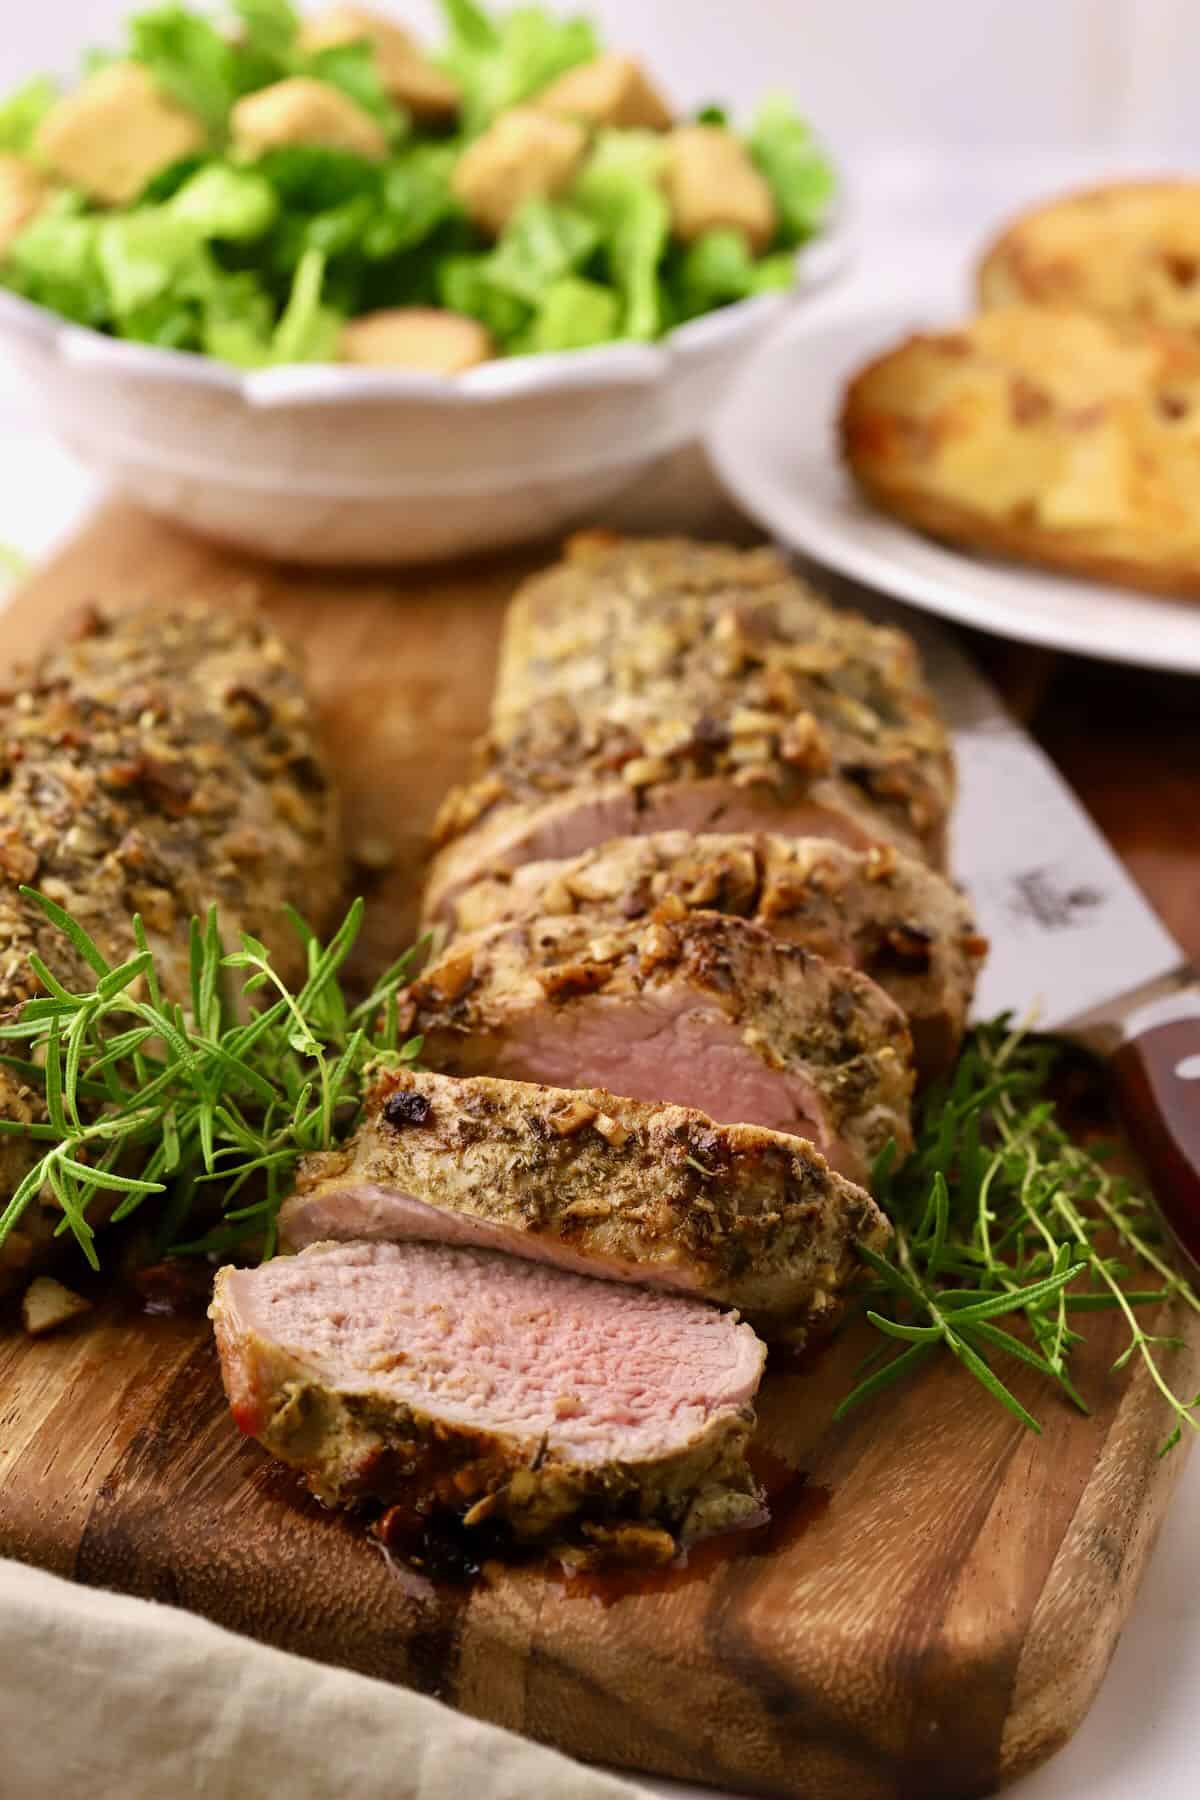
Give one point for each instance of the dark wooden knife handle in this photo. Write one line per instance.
(1157, 1079)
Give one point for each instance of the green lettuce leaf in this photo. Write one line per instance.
(414, 200)
(236, 205)
(502, 59)
(574, 315)
(541, 243)
(23, 112)
(796, 169)
(309, 329)
(269, 27)
(714, 270)
(338, 231)
(636, 249)
(54, 262)
(308, 178)
(775, 273)
(147, 254)
(167, 182)
(238, 323)
(368, 219)
(508, 287)
(169, 322)
(618, 161)
(618, 189)
(190, 59)
(465, 285)
(353, 69)
(719, 268)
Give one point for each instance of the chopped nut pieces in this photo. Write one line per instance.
(160, 763)
(47, 1304)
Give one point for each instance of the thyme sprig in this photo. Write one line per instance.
(1000, 1213)
(146, 1099)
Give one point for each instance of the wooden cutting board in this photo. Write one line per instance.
(937, 1600)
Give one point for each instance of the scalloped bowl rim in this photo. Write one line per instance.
(504, 378)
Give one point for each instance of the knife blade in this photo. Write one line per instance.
(1075, 947)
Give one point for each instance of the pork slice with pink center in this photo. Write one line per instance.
(455, 1378)
(645, 1192)
(592, 814)
(709, 1011)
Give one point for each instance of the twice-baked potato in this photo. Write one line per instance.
(1060, 438)
(1130, 250)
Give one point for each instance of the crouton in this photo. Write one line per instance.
(524, 155)
(416, 337)
(116, 131)
(404, 69)
(303, 111)
(710, 181)
(23, 189)
(611, 90)
(47, 1304)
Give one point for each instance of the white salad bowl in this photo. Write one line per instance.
(329, 464)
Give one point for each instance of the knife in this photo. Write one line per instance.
(1075, 946)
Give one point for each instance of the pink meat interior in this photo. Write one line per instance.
(561, 831)
(691, 806)
(491, 1343)
(667, 1047)
(365, 1212)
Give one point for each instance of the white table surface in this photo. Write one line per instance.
(1140, 1740)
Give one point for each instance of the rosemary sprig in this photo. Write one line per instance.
(1000, 1213)
(146, 1100)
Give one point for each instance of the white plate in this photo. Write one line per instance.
(774, 448)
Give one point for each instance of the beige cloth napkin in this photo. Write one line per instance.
(107, 1698)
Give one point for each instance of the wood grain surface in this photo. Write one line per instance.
(936, 1601)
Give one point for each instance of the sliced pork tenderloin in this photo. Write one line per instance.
(624, 1189)
(706, 1011)
(158, 763)
(660, 684)
(878, 911)
(504, 821)
(447, 1379)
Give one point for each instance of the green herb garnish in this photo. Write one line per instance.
(146, 1098)
(999, 1213)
